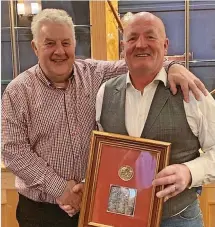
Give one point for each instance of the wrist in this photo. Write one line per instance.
(169, 64)
(189, 180)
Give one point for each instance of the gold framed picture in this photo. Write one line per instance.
(118, 188)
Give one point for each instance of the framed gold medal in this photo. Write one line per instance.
(118, 188)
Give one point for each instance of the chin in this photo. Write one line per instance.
(61, 70)
(142, 67)
(65, 73)
(62, 74)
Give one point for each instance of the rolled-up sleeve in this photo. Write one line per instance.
(201, 118)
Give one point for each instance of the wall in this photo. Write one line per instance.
(25, 55)
(202, 32)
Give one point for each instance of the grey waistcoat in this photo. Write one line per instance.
(166, 121)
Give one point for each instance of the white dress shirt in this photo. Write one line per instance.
(200, 117)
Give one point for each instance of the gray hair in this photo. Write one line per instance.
(51, 15)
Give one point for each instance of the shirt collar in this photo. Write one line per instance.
(161, 76)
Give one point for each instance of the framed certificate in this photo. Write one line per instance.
(118, 189)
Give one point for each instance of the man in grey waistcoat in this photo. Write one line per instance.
(140, 104)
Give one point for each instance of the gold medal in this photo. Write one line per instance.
(126, 173)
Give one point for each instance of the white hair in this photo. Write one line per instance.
(51, 15)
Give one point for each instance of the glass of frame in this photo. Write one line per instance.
(118, 188)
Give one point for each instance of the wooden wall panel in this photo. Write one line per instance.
(212, 214)
(104, 31)
(207, 204)
(9, 199)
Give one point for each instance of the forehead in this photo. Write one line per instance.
(55, 31)
(142, 25)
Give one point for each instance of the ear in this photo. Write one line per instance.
(34, 47)
(166, 45)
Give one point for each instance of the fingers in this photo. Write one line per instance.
(68, 209)
(167, 192)
(72, 199)
(66, 195)
(201, 86)
(164, 180)
(198, 83)
(172, 87)
(179, 75)
(195, 91)
(72, 214)
(185, 90)
(184, 84)
(72, 196)
(169, 170)
(175, 178)
(197, 88)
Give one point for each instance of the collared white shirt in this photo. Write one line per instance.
(200, 117)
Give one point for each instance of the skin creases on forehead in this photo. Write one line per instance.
(153, 25)
(55, 31)
(147, 31)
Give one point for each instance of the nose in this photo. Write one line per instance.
(59, 50)
(141, 42)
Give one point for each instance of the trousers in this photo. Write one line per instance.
(30, 213)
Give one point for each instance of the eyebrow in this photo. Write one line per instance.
(132, 34)
(48, 39)
(149, 31)
(67, 40)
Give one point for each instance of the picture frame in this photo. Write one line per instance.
(118, 188)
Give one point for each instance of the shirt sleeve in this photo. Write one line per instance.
(110, 69)
(101, 71)
(201, 118)
(17, 153)
(99, 102)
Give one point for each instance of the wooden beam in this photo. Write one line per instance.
(104, 31)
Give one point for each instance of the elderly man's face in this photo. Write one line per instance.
(145, 45)
(55, 49)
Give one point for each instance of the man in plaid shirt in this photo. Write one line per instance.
(48, 113)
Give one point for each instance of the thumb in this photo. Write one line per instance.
(78, 188)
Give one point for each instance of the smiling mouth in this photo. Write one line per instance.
(59, 60)
(142, 55)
